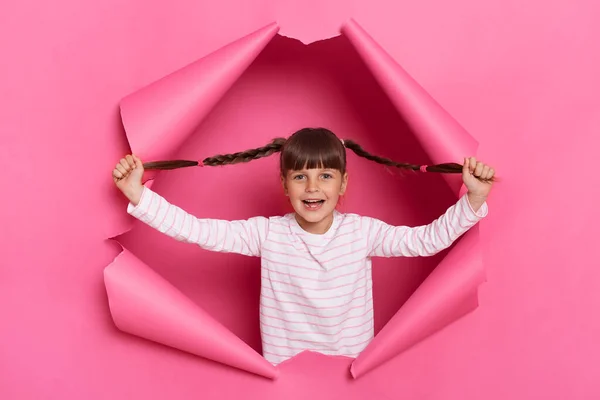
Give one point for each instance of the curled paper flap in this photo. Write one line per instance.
(144, 304)
(447, 294)
(159, 117)
(450, 291)
(441, 136)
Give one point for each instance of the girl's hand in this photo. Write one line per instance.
(127, 176)
(472, 170)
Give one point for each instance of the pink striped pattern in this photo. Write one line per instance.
(316, 291)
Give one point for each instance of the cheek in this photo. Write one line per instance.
(294, 191)
(332, 192)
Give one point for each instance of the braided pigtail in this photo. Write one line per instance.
(446, 168)
(221, 159)
(245, 156)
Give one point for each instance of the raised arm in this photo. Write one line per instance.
(241, 237)
(385, 240)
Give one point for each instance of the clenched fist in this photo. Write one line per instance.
(478, 178)
(127, 175)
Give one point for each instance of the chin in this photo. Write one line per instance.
(312, 216)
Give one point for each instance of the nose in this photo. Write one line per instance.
(311, 186)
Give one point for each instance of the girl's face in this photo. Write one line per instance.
(314, 194)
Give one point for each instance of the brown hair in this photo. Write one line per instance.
(306, 148)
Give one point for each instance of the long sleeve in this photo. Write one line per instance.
(426, 240)
(242, 237)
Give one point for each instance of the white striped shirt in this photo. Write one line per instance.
(316, 291)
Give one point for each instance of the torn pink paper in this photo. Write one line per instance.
(158, 119)
(144, 304)
(442, 137)
(324, 17)
(447, 294)
(450, 291)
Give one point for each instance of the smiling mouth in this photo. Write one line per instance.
(313, 204)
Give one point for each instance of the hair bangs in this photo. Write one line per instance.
(313, 148)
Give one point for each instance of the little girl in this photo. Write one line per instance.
(316, 289)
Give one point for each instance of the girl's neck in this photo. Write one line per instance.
(316, 228)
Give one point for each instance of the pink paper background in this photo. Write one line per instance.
(522, 80)
(164, 115)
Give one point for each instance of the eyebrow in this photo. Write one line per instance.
(305, 170)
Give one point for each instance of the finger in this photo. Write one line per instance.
(472, 164)
(491, 173)
(117, 176)
(138, 162)
(465, 170)
(124, 163)
(121, 169)
(484, 171)
(130, 161)
(478, 169)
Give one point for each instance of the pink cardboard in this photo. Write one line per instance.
(522, 78)
(144, 304)
(159, 117)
